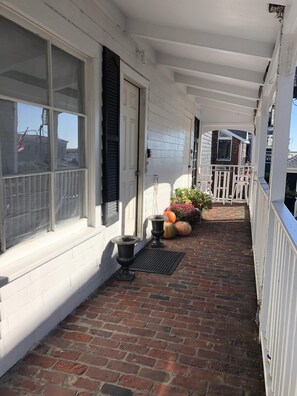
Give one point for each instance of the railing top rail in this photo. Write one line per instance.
(44, 173)
(287, 222)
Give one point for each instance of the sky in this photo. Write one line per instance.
(30, 117)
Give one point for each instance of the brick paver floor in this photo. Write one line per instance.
(191, 333)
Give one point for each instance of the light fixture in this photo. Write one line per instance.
(278, 10)
(141, 56)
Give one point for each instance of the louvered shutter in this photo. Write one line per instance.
(195, 152)
(111, 136)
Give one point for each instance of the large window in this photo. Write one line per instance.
(224, 147)
(42, 135)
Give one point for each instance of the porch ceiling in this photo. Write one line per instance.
(218, 50)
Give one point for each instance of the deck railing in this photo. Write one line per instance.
(225, 183)
(259, 225)
(274, 236)
(274, 233)
(36, 202)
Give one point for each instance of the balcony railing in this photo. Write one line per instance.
(274, 235)
(225, 183)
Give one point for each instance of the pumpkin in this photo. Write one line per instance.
(169, 230)
(183, 228)
(171, 216)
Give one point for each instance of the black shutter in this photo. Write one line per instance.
(111, 136)
(195, 151)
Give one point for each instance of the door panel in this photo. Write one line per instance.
(129, 157)
(187, 151)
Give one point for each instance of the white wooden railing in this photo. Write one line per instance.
(274, 233)
(259, 225)
(274, 236)
(36, 202)
(225, 183)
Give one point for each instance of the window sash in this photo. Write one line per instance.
(65, 202)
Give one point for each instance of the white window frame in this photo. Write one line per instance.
(91, 145)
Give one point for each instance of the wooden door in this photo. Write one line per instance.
(187, 152)
(129, 157)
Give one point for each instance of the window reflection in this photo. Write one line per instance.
(69, 148)
(22, 63)
(24, 138)
(67, 81)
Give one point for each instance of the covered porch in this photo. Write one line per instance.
(189, 68)
(191, 333)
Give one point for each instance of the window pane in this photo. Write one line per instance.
(23, 71)
(26, 203)
(69, 147)
(69, 195)
(224, 149)
(67, 81)
(24, 138)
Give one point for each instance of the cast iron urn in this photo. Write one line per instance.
(125, 256)
(158, 229)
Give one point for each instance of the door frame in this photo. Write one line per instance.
(129, 74)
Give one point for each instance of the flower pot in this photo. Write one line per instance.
(125, 256)
(157, 230)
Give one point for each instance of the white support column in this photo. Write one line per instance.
(259, 147)
(282, 117)
(255, 143)
(262, 142)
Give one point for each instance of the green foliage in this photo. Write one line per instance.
(198, 199)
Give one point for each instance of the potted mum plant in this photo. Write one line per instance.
(185, 212)
(199, 199)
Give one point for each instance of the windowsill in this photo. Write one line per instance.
(31, 254)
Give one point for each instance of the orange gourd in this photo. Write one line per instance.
(169, 230)
(171, 216)
(183, 228)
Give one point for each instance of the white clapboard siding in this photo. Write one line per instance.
(53, 273)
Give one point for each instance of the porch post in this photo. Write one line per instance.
(281, 135)
(261, 139)
(282, 113)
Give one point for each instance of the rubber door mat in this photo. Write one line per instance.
(157, 261)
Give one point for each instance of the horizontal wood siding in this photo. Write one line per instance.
(69, 268)
(205, 158)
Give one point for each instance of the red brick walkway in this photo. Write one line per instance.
(191, 333)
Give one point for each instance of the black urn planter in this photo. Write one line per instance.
(158, 229)
(125, 256)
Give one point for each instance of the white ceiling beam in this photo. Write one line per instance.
(251, 104)
(208, 103)
(113, 12)
(243, 92)
(290, 28)
(210, 68)
(249, 127)
(200, 39)
(271, 76)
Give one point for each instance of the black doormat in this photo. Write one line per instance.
(157, 261)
